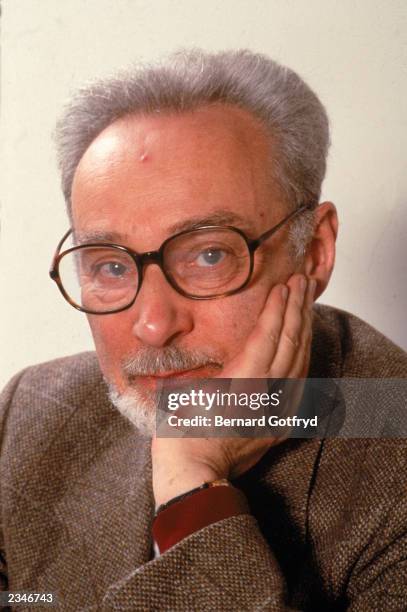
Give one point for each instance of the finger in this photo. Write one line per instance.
(262, 343)
(302, 355)
(290, 338)
(301, 362)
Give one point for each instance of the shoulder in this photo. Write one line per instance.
(59, 375)
(43, 396)
(362, 350)
(73, 369)
(56, 418)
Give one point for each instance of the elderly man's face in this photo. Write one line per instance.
(145, 178)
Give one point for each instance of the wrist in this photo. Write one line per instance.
(170, 486)
(221, 482)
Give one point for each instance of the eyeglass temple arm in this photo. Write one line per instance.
(274, 229)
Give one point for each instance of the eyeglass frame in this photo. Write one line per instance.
(156, 257)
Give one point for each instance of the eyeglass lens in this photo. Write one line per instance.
(199, 263)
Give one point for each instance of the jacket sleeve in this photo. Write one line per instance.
(225, 566)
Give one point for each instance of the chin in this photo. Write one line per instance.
(138, 407)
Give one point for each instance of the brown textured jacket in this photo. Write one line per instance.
(328, 523)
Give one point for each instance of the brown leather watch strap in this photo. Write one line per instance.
(221, 482)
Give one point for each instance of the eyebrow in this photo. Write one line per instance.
(91, 236)
(219, 217)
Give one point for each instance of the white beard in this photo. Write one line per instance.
(138, 408)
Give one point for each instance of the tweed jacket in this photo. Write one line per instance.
(327, 528)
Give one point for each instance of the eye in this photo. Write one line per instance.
(111, 270)
(210, 257)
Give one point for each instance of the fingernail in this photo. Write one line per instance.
(284, 292)
(303, 283)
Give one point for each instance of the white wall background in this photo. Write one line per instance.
(352, 52)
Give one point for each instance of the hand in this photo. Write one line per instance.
(278, 347)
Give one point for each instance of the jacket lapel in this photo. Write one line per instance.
(109, 509)
(88, 496)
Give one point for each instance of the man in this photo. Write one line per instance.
(198, 249)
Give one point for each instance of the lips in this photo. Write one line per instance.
(194, 372)
(151, 381)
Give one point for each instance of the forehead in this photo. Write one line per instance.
(159, 171)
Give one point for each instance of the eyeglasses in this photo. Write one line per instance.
(202, 264)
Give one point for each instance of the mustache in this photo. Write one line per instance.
(149, 361)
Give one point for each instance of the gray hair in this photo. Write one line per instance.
(286, 106)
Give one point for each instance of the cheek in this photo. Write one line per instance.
(111, 340)
(229, 321)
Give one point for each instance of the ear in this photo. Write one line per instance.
(320, 255)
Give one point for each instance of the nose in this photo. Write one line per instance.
(160, 314)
